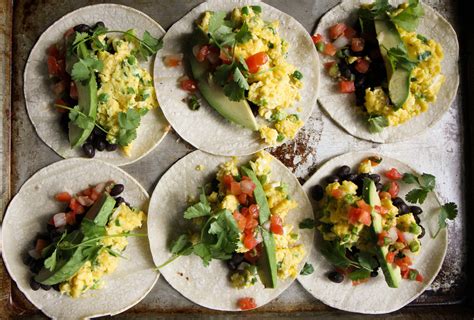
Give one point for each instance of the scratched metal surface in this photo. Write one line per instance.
(438, 151)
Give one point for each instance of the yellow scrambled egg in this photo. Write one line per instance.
(289, 253)
(89, 276)
(425, 83)
(124, 85)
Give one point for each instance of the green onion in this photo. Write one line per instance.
(297, 75)
(320, 46)
(193, 103)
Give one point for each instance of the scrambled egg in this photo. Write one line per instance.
(230, 203)
(426, 80)
(124, 85)
(274, 87)
(289, 254)
(89, 276)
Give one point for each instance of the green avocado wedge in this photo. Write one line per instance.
(391, 272)
(70, 261)
(267, 262)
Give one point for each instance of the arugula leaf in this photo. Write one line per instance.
(336, 254)
(367, 261)
(200, 209)
(359, 274)
(398, 58)
(408, 18)
(448, 211)
(307, 269)
(377, 123)
(92, 230)
(244, 34)
(51, 261)
(307, 223)
(216, 21)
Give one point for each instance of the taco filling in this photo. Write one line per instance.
(239, 65)
(240, 218)
(366, 226)
(85, 242)
(101, 90)
(394, 72)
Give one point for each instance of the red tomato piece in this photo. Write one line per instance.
(393, 189)
(173, 60)
(227, 179)
(53, 51)
(245, 211)
(40, 245)
(405, 273)
(337, 30)
(254, 211)
(350, 33)
(189, 85)
(354, 214)
(254, 62)
(94, 195)
(73, 90)
(70, 218)
(59, 87)
(357, 44)
(346, 86)
(249, 241)
(329, 49)
(328, 65)
(276, 224)
(393, 174)
(247, 186)
(390, 257)
(251, 224)
(240, 219)
(362, 65)
(365, 218)
(63, 197)
(87, 192)
(419, 277)
(202, 53)
(253, 255)
(337, 193)
(382, 210)
(224, 55)
(235, 188)
(381, 238)
(54, 69)
(363, 205)
(75, 206)
(246, 303)
(317, 38)
(242, 199)
(69, 32)
(400, 237)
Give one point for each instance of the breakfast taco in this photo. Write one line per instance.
(74, 240)
(235, 77)
(88, 84)
(381, 236)
(224, 232)
(391, 71)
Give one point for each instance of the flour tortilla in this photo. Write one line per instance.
(27, 216)
(206, 129)
(375, 297)
(342, 108)
(40, 99)
(210, 286)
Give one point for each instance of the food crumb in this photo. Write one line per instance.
(200, 167)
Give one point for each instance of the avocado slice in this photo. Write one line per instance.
(87, 95)
(267, 262)
(398, 79)
(238, 112)
(391, 272)
(70, 261)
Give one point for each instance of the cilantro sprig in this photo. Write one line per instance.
(80, 119)
(409, 17)
(128, 123)
(399, 59)
(307, 269)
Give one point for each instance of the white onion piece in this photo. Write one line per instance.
(59, 220)
(392, 234)
(34, 254)
(408, 253)
(85, 201)
(266, 225)
(259, 237)
(409, 237)
(341, 42)
(100, 187)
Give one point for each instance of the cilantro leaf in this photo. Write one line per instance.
(336, 254)
(378, 8)
(79, 37)
(448, 211)
(216, 21)
(80, 119)
(428, 181)
(200, 209)
(149, 45)
(417, 195)
(408, 18)
(234, 91)
(377, 123)
(203, 252)
(367, 261)
(222, 73)
(410, 178)
(359, 274)
(307, 223)
(398, 58)
(307, 269)
(244, 34)
(240, 79)
(182, 246)
(92, 230)
(84, 69)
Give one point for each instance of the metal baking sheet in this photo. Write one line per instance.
(438, 151)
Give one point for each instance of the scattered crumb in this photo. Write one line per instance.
(200, 167)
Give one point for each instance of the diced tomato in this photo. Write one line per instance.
(382, 210)
(357, 44)
(317, 38)
(240, 219)
(202, 53)
(253, 255)
(254, 211)
(346, 86)
(337, 30)
(393, 189)
(189, 85)
(337, 193)
(249, 240)
(69, 32)
(94, 195)
(390, 257)
(365, 218)
(73, 91)
(357, 282)
(349, 33)
(59, 87)
(224, 55)
(384, 195)
(254, 62)
(419, 277)
(227, 179)
(40, 245)
(381, 238)
(247, 186)
(403, 262)
(70, 218)
(53, 51)
(363, 205)
(235, 188)
(362, 65)
(400, 237)
(353, 215)
(358, 215)
(328, 65)
(245, 211)
(75, 206)
(63, 197)
(329, 49)
(242, 199)
(251, 224)
(173, 60)
(87, 192)
(246, 303)
(54, 68)
(405, 273)
(393, 174)
(276, 224)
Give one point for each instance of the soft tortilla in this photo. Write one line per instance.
(341, 107)
(40, 99)
(376, 297)
(205, 129)
(33, 206)
(210, 286)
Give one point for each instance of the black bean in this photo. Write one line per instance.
(374, 273)
(332, 178)
(45, 287)
(422, 234)
(344, 69)
(417, 219)
(317, 192)
(89, 150)
(234, 262)
(397, 201)
(343, 171)
(336, 277)
(379, 186)
(56, 286)
(403, 209)
(96, 131)
(374, 177)
(118, 201)
(350, 177)
(100, 145)
(82, 28)
(27, 259)
(36, 266)
(128, 204)
(117, 189)
(416, 210)
(34, 284)
(110, 146)
(98, 24)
